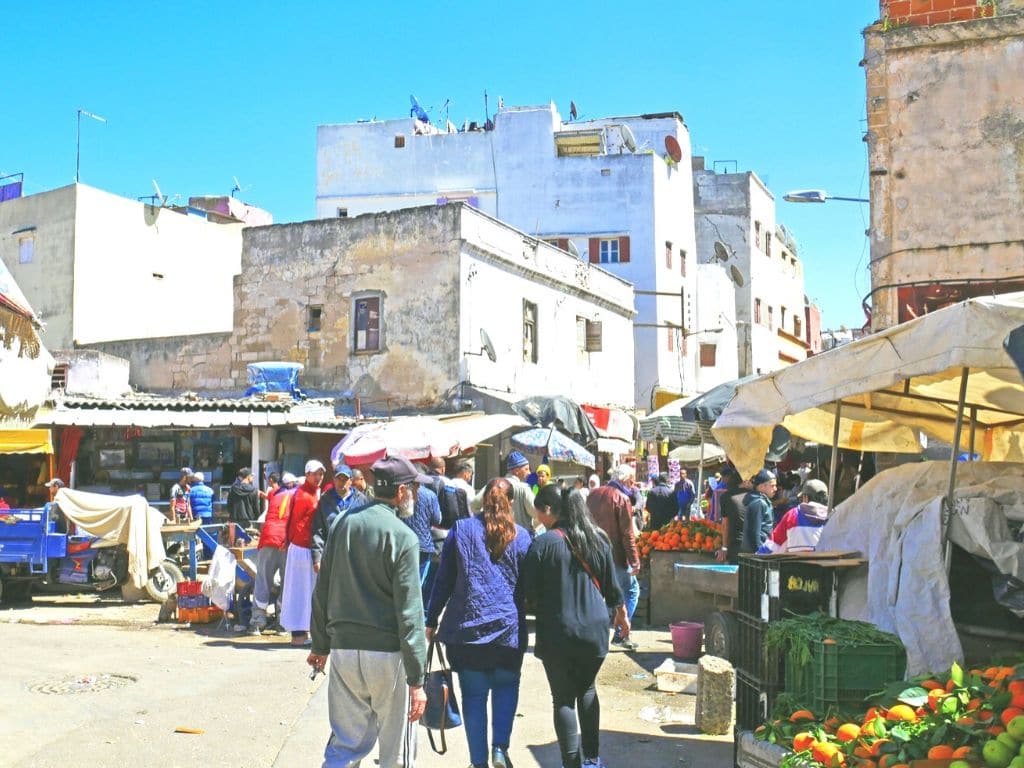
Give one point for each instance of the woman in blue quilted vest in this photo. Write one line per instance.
(484, 626)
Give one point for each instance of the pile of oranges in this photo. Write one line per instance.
(682, 536)
(971, 717)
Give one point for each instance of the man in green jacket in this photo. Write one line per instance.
(368, 618)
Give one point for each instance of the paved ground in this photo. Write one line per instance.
(255, 704)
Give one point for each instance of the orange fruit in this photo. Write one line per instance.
(932, 685)
(801, 715)
(901, 712)
(1017, 701)
(935, 696)
(828, 754)
(940, 752)
(995, 730)
(1011, 712)
(803, 740)
(848, 732)
(984, 715)
(961, 752)
(950, 685)
(1016, 687)
(973, 704)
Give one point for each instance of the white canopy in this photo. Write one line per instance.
(894, 386)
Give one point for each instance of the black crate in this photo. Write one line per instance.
(755, 700)
(751, 654)
(788, 587)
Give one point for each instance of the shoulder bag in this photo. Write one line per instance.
(442, 710)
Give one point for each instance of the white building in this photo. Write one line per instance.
(736, 228)
(405, 310)
(98, 267)
(605, 189)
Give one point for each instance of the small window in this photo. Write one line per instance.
(671, 338)
(782, 318)
(343, 213)
(797, 328)
(529, 332)
(757, 310)
(59, 377)
(316, 312)
(26, 249)
(771, 319)
(668, 255)
(595, 340)
(708, 355)
(768, 243)
(610, 251)
(366, 324)
(399, 142)
(757, 233)
(682, 262)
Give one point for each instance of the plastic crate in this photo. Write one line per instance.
(752, 657)
(207, 615)
(772, 589)
(755, 700)
(841, 676)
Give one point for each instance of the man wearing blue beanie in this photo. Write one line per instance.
(517, 467)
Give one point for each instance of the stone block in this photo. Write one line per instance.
(676, 677)
(716, 681)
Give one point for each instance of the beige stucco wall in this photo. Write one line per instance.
(49, 219)
(946, 153)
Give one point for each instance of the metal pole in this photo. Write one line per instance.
(699, 490)
(832, 470)
(78, 146)
(974, 424)
(947, 506)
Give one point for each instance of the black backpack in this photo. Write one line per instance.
(453, 501)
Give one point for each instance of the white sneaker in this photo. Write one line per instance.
(594, 762)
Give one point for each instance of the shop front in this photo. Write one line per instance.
(26, 462)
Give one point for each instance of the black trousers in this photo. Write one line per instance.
(575, 699)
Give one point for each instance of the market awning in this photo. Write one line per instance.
(25, 441)
(468, 431)
(894, 387)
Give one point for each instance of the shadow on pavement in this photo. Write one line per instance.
(682, 746)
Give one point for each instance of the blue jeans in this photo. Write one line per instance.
(503, 687)
(630, 591)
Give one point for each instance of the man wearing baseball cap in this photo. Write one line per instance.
(337, 501)
(368, 618)
(758, 518)
(272, 552)
(299, 576)
(800, 528)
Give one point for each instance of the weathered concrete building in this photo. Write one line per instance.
(406, 309)
(736, 228)
(606, 189)
(945, 106)
(98, 267)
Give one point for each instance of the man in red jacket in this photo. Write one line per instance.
(272, 552)
(612, 510)
(299, 576)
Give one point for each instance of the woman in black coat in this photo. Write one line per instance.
(569, 580)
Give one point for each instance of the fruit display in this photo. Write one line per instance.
(682, 536)
(967, 717)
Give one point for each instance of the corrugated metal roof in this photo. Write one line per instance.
(146, 411)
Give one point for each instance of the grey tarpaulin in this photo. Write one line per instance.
(895, 520)
(562, 413)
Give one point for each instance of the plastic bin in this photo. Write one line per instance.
(772, 589)
(755, 700)
(841, 676)
(687, 639)
(751, 655)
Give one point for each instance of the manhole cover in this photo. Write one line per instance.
(82, 684)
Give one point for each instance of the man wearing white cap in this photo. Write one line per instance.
(273, 551)
(299, 576)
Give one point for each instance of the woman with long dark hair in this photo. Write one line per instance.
(569, 580)
(484, 626)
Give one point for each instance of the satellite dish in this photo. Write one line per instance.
(161, 198)
(488, 346)
(571, 248)
(572, 110)
(628, 138)
(673, 148)
(417, 111)
(721, 251)
(736, 275)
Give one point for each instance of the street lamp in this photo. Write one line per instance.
(78, 138)
(818, 196)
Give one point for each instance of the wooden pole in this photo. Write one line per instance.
(833, 468)
(947, 506)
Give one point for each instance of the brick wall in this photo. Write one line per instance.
(898, 13)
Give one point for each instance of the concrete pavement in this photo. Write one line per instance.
(100, 684)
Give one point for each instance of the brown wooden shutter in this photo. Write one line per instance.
(624, 249)
(595, 250)
(563, 243)
(593, 343)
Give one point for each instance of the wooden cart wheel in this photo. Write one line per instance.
(720, 635)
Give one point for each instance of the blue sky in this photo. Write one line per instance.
(198, 93)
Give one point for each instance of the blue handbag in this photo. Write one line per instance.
(442, 710)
